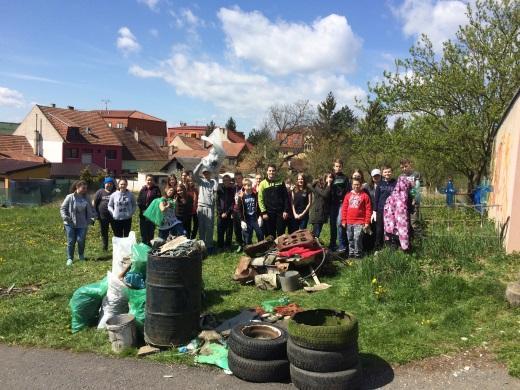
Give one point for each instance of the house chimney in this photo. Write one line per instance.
(53, 105)
(136, 135)
(70, 107)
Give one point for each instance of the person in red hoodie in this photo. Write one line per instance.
(355, 217)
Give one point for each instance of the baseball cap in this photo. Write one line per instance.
(108, 180)
(375, 172)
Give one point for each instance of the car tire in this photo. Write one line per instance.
(340, 380)
(259, 341)
(322, 361)
(260, 371)
(312, 329)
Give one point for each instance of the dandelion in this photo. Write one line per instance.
(374, 281)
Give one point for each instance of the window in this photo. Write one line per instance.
(119, 125)
(111, 154)
(193, 135)
(73, 132)
(86, 156)
(71, 153)
(109, 124)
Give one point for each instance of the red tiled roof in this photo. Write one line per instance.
(144, 150)
(63, 119)
(233, 149)
(237, 137)
(187, 128)
(191, 153)
(127, 114)
(73, 170)
(18, 147)
(192, 143)
(10, 165)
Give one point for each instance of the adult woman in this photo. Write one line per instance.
(170, 224)
(101, 206)
(319, 211)
(183, 208)
(122, 206)
(77, 214)
(146, 196)
(301, 200)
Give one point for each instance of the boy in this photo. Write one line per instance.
(206, 204)
(383, 191)
(274, 203)
(340, 187)
(355, 217)
(239, 187)
(225, 205)
(248, 212)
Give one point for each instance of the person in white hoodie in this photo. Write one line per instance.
(122, 205)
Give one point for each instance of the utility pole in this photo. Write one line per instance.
(106, 101)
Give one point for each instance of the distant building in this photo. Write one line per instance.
(294, 141)
(185, 130)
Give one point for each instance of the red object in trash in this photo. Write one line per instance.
(306, 255)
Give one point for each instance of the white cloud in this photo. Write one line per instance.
(438, 19)
(152, 4)
(10, 97)
(127, 42)
(243, 93)
(154, 32)
(282, 47)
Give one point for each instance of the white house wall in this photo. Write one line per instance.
(53, 151)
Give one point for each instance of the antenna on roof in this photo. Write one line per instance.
(106, 101)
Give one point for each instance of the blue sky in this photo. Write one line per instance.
(206, 60)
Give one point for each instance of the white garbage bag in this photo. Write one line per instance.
(121, 248)
(116, 301)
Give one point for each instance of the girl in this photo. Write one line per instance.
(170, 224)
(319, 211)
(301, 202)
(101, 206)
(183, 208)
(122, 205)
(77, 214)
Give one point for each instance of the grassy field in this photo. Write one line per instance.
(446, 296)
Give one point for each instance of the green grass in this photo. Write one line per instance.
(446, 296)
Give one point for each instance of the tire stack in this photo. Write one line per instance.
(323, 350)
(258, 353)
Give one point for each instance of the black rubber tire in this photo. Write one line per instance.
(258, 349)
(306, 330)
(339, 380)
(322, 361)
(261, 371)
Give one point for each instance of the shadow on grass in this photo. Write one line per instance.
(376, 371)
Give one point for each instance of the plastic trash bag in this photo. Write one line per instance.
(116, 302)
(218, 356)
(139, 258)
(154, 213)
(269, 305)
(134, 280)
(122, 248)
(85, 304)
(137, 303)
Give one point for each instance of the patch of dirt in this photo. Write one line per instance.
(12, 290)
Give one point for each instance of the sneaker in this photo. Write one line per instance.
(69, 262)
(239, 249)
(341, 250)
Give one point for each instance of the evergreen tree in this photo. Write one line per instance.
(210, 127)
(325, 114)
(231, 124)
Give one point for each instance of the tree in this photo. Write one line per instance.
(231, 124)
(344, 121)
(210, 127)
(456, 100)
(325, 114)
(258, 136)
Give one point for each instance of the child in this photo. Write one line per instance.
(225, 205)
(319, 212)
(183, 208)
(355, 216)
(383, 191)
(170, 223)
(249, 213)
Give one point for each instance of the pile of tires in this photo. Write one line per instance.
(323, 350)
(258, 353)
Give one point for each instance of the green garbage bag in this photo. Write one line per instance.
(136, 303)
(269, 305)
(139, 258)
(85, 304)
(218, 356)
(153, 212)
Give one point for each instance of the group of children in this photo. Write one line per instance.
(362, 216)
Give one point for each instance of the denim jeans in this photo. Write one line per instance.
(336, 230)
(175, 230)
(316, 229)
(302, 223)
(75, 235)
(355, 240)
(252, 225)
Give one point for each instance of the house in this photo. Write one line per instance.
(505, 177)
(294, 141)
(66, 135)
(18, 148)
(185, 130)
(12, 169)
(138, 121)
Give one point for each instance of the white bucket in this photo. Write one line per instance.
(121, 332)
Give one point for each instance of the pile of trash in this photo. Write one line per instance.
(272, 264)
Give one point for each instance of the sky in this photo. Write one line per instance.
(207, 60)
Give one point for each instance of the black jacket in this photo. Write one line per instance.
(319, 212)
(225, 200)
(340, 187)
(142, 202)
(383, 191)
